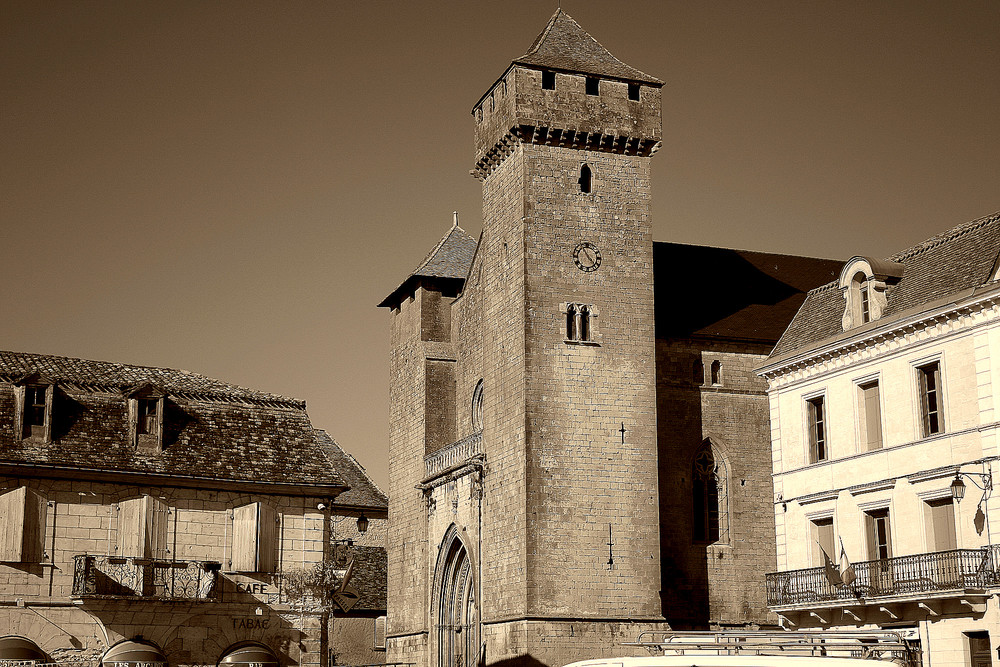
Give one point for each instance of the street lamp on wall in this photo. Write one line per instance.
(362, 524)
(958, 486)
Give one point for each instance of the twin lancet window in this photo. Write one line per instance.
(580, 323)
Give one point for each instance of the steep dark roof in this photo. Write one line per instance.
(448, 261)
(214, 432)
(959, 259)
(564, 45)
(702, 291)
(363, 492)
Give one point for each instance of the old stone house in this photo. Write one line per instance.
(883, 418)
(152, 516)
(579, 446)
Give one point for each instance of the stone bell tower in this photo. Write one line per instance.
(570, 529)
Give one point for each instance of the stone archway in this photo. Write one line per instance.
(457, 610)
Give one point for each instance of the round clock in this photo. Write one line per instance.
(587, 257)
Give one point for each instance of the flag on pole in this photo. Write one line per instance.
(832, 575)
(847, 574)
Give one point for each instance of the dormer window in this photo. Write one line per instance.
(149, 416)
(145, 411)
(36, 404)
(864, 282)
(33, 399)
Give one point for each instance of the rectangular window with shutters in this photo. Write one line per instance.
(379, 634)
(870, 415)
(255, 538)
(931, 406)
(939, 524)
(142, 529)
(879, 534)
(822, 540)
(978, 646)
(22, 526)
(816, 424)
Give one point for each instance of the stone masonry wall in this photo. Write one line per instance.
(708, 585)
(584, 478)
(81, 518)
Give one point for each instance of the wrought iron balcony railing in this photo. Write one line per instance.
(919, 573)
(114, 577)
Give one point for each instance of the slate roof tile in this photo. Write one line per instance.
(955, 260)
(450, 259)
(564, 45)
(213, 430)
(363, 492)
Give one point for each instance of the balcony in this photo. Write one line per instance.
(930, 584)
(112, 577)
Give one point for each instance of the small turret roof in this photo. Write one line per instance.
(450, 259)
(564, 45)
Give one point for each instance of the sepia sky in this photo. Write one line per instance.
(231, 187)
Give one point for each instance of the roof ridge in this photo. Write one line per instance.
(541, 36)
(944, 237)
(235, 391)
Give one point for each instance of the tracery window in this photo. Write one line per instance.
(710, 495)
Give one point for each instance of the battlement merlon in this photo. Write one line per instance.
(568, 90)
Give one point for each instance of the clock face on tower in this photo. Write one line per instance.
(587, 257)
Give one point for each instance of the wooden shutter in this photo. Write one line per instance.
(131, 534)
(939, 520)
(267, 540)
(813, 444)
(245, 538)
(871, 411)
(380, 633)
(157, 523)
(22, 526)
(12, 525)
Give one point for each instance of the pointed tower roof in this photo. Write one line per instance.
(564, 45)
(447, 261)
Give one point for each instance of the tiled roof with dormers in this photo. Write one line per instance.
(731, 294)
(214, 433)
(959, 259)
(564, 45)
(363, 492)
(449, 260)
(112, 376)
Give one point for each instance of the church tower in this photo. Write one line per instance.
(563, 146)
(523, 500)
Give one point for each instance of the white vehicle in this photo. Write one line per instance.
(767, 649)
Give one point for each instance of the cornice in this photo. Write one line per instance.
(871, 344)
(564, 138)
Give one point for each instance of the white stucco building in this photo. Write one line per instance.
(884, 407)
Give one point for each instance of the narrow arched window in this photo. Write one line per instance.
(709, 494)
(584, 322)
(859, 288)
(585, 178)
(698, 374)
(571, 331)
(477, 407)
(716, 372)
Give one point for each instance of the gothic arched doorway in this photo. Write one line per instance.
(457, 608)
